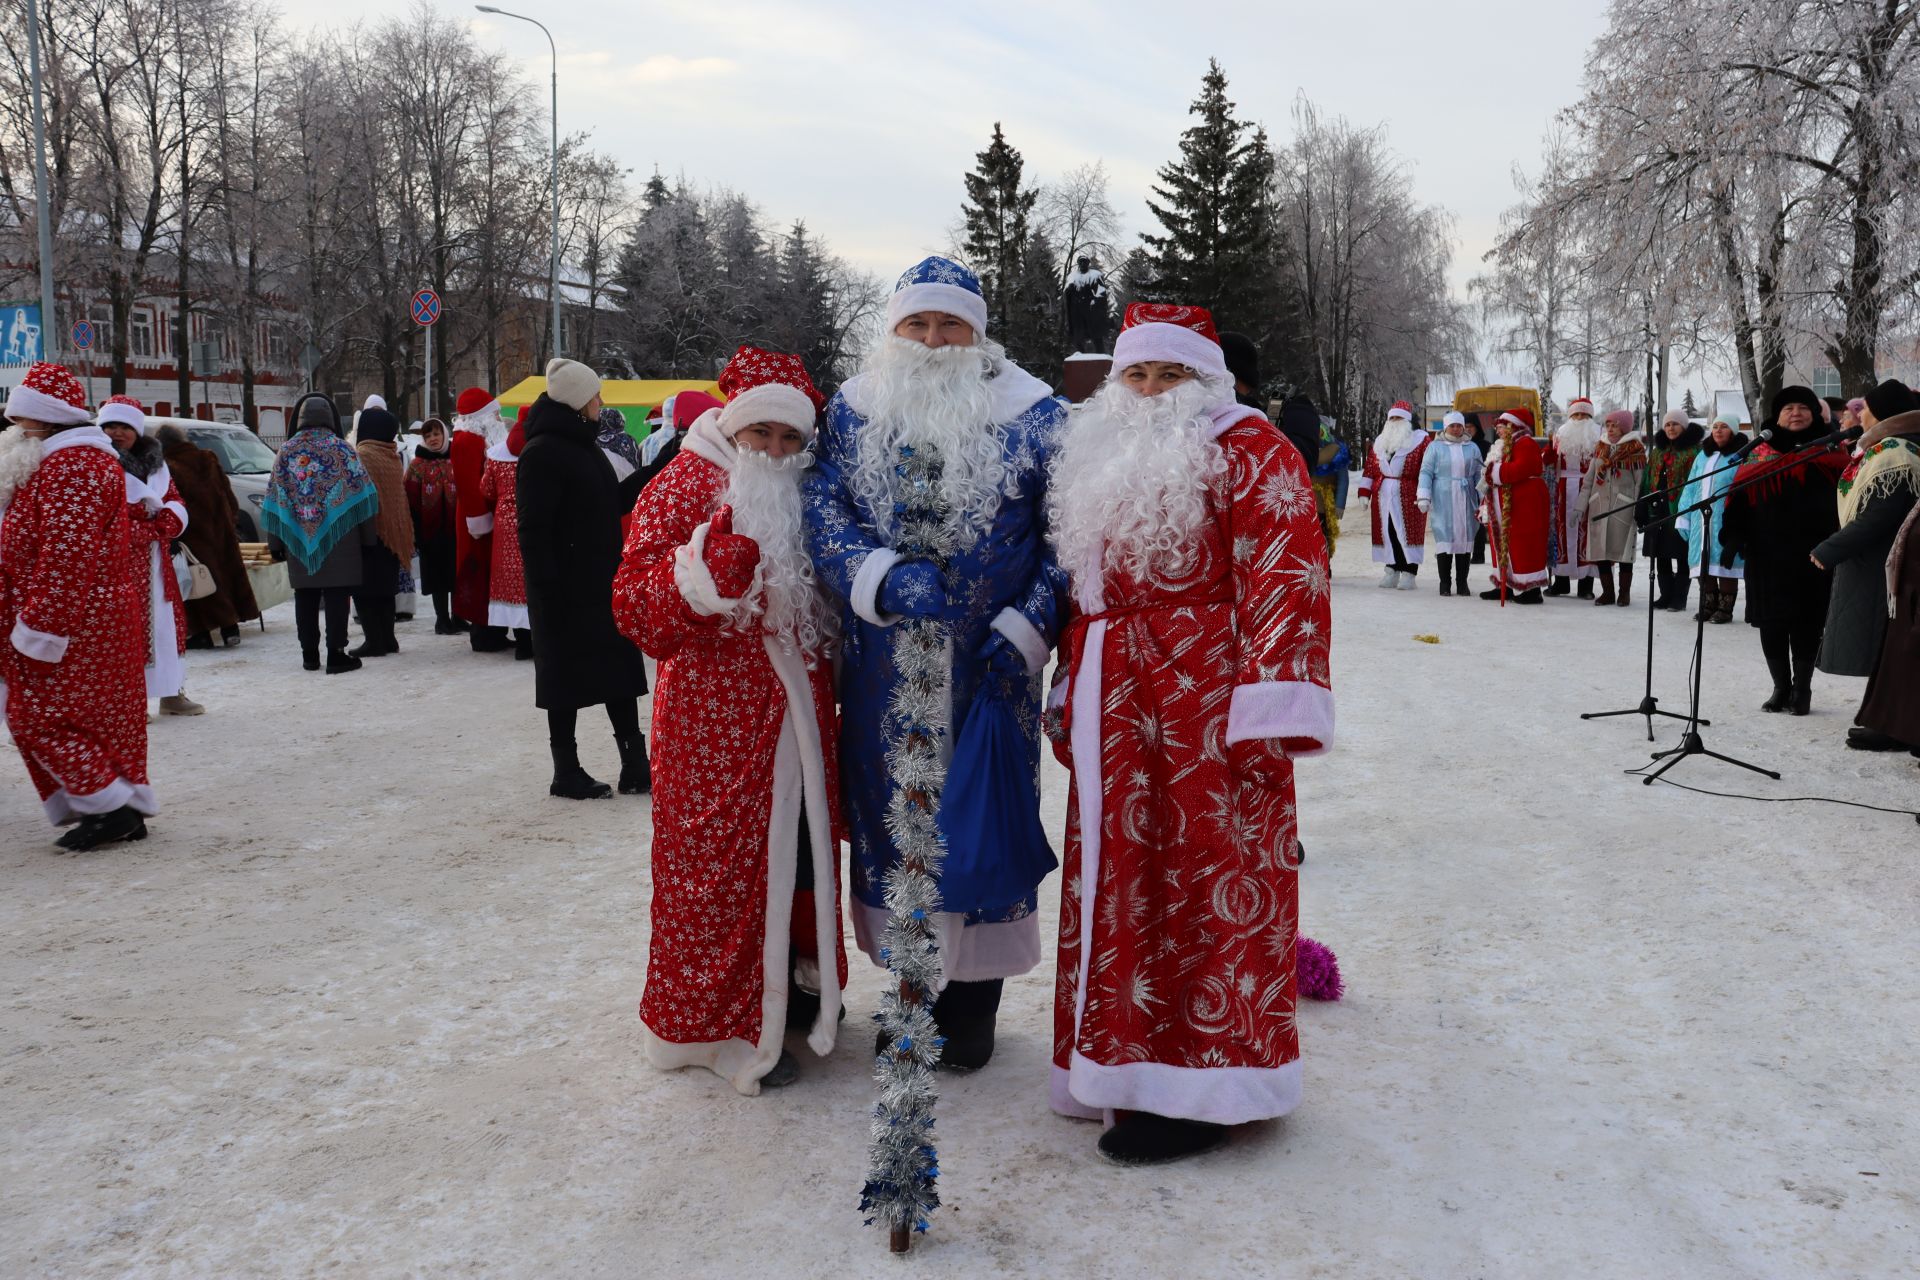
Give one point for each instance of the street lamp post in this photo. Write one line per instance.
(43, 199)
(553, 280)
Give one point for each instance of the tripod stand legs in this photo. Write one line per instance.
(1690, 745)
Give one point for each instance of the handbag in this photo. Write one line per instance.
(195, 579)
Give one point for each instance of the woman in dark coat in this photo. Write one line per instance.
(1890, 715)
(1672, 451)
(318, 516)
(213, 535)
(430, 499)
(390, 555)
(1876, 492)
(570, 511)
(1781, 507)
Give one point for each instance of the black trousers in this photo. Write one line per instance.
(1400, 563)
(622, 713)
(1790, 648)
(307, 603)
(1674, 578)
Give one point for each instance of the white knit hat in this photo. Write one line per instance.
(124, 410)
(571, 383)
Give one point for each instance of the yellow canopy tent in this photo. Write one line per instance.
(1497, 400)
(636, 399)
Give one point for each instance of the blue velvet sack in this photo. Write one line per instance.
(997, 850)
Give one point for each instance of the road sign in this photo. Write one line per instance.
(83, 334)
(426, 307)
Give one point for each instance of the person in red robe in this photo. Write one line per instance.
(477, 427)
(715, 583)
(1389, 480)
(1516, 516)
(70, 605)
(1197, 671)
(506, 574)
(1569, 455)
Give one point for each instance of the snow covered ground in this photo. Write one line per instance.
(364, 1003)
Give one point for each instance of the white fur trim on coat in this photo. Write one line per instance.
(39, 645)
(1026, 637)
(480, 526)
(63, 806)
(865, 594)
(1282, 709)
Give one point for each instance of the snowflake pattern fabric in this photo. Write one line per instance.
(507, 583)
(1178, 923)
(718, 712)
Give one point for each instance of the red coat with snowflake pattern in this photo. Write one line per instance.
(71, 633)
(1185, 703)
(506, 577)
(724, 753)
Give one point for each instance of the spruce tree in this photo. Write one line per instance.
(1034, 335)
(1687, 405)
(996, 212)
(1214, 205)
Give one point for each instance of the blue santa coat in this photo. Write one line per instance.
(1007, 573)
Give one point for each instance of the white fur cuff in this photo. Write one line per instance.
(38, 644)
(1282, 709)
(865, 595)
(480, 526)
(1026, 637)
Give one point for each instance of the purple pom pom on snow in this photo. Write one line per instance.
(1319, 971)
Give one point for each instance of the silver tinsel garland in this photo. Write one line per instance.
(901, 1192)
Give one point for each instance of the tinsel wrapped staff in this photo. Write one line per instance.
(901, 1192)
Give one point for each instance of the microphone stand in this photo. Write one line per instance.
(1691, 743)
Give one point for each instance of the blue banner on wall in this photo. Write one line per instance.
(21, 341)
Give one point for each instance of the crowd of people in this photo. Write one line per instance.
(853, 601)
(1812, 512)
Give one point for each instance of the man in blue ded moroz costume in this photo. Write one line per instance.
(935, 390)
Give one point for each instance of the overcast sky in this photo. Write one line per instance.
(861, 115)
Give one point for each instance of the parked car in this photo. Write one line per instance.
(246, 459)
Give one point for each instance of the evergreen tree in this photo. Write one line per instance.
(1687, 406)
(1215, 207)
(996, 213)
(1034, 334)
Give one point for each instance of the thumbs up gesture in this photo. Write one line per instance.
(731, 557)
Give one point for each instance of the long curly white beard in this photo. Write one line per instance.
(1129, 484)
(764, 493)
(939, 398)
(20, 457)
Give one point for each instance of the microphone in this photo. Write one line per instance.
(1751, 445)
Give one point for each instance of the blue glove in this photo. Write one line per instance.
(914, 589)
(1004, 659)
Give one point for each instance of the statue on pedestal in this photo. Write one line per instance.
(1089, 315)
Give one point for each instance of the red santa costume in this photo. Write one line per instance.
(506, 579)
(156, 519)
(1516, 515)
(1389, 477)
(1569, 456)
(1196, 671)
(716, 584)
(75, 698)
(476, 428)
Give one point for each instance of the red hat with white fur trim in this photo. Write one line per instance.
(768, 386)
(50, 394)
(1401, 409)
(472, 400)
(1579, 404)
(1175, 334)
(124, 410)
(1521, 418)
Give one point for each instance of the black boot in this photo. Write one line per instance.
(1446, 574)
(1530, 596)
(96, 829)
(488, 639)
(1460, 573)
(339, 660)
(310, 659)
(1560, 586)
(965, 1014)
(443, 623)
(570, 781)
(1140, 1137)
(1626, 586)
(636, 775)
(785, 1070)
(1781, 699)
(1586, 588)
(522, 646)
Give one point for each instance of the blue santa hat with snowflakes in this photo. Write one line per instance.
(938, 284)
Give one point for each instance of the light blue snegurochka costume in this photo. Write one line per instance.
(1002, 581)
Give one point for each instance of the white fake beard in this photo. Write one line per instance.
(764, 493)
(1129, 483)
(932, 398)
(1396, 435)
(1576, 441)
(20, 456)
(490, 427)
